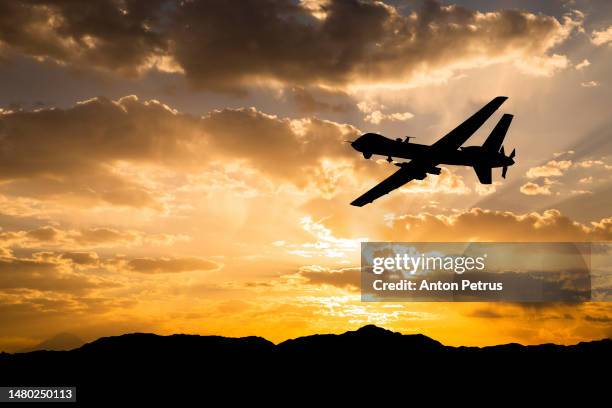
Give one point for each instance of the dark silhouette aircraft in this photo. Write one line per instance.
(424, 159)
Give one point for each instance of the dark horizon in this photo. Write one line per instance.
(367, 331)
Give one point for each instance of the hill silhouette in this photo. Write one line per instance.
(61, 341)
(134, 364)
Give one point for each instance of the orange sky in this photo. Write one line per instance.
(182, 167)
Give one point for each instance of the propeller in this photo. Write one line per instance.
(512, 154)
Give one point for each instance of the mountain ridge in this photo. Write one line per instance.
(59, 342)
(367, 332)
(141, 366)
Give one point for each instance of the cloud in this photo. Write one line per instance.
(539, 312)
(587, 164)
(103, 152)
(81, 147)
(374, 114)
(544, 66)
(558, 168)
(289, 150)
(551, 169)
(49, 272)
(566, 153)
(486, 189)
(345, 278)
(81, 258)
(446, 182)
(307, 102)
(605, 319)
(120, 37)
(601, 37)
(377, 116)
(105, 236)
(87, 238)
(325, 245)
(170, 265)
(484, 313)
(78, 272)
(489, 225)
(531, 188)
(589, 84)
(226, 46)
(585, 63)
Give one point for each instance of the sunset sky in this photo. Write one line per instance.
(180, 166)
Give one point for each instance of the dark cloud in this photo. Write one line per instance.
(226, 45)
(487, 314)
(347, 278)
(54, 141)
(170, 265)
(81, 258)
(593, 313)
(113, 35)
(307, 102)
(53, 152)
(599, 319)
(43, 234)
(44, 273)
(51, 237)
(106, 236)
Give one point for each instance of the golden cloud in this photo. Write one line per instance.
(602, 37)
(373, 113)
(532, 189)
(559, 168)
(489, 225)
(552, 168)
(325, 244)
(50, 237)
(92, 152)
(583, 64)
(446, 182)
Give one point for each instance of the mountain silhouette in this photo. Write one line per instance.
(369, 336)
(61, 341)
(132, 365)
